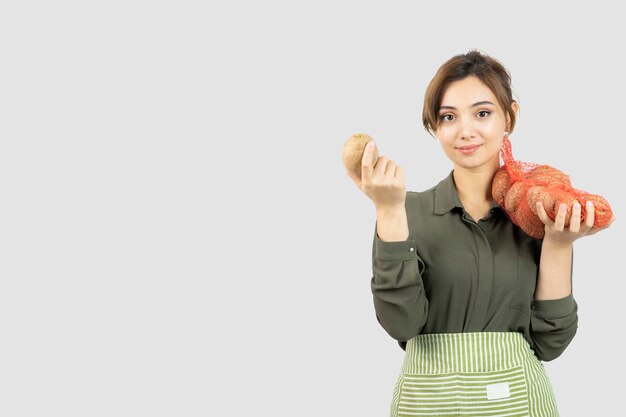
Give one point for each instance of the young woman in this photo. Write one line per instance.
(474, 301)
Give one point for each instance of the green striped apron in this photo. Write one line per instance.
(477, 374)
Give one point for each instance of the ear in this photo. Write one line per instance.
(515, 108)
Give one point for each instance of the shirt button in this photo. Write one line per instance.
(411, 249)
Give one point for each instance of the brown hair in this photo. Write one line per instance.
(489, 70)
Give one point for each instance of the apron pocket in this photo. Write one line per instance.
(493, 393)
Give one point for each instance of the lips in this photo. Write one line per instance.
(468, 150)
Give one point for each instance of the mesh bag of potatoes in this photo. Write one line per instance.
(518, 186)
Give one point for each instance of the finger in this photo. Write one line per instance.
(390, 169)
(559, 221)
(400, 173)
(381, 166)
(574, 221)
(542, 213)
(366, 161)
(591, 215)
(596, 229)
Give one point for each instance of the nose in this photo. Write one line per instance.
(467, 128)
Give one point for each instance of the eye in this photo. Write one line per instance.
(484, 111)
(444, 116)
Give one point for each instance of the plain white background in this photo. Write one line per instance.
(178, 236)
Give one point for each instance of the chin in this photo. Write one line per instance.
(475, 163)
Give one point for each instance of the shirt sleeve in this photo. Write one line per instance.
(553, 324)
(399, 298)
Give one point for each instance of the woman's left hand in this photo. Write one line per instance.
(557, 233)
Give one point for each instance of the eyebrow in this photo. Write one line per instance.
(473, 105)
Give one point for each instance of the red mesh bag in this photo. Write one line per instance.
(517, 186)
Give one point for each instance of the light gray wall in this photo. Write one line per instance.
(178, 235)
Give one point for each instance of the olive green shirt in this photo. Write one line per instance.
(454, 275)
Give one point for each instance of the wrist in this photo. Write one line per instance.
(553, 244)
(390, 211)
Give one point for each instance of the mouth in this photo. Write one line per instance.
(468, 149)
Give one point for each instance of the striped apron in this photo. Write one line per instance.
(475, 374)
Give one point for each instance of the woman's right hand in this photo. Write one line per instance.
(381, 180)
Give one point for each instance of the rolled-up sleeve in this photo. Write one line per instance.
(553, 324)
(399, 298)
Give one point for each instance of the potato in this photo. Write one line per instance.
(514, 195)
(601, 208)
(545, 175)
(353, 150)
(500, 185)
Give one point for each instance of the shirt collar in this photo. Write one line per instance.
(447, 196)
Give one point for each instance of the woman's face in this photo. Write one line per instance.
(471, 116)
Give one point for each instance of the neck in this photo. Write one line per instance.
(474, 185)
